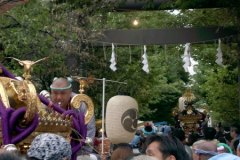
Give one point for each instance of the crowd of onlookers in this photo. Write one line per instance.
(211, 143)
(169, 143)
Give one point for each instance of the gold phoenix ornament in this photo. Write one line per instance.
(27, 64)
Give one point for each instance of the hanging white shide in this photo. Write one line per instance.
(113, 60)
(187, 57)
(145, 60)
(219, 54)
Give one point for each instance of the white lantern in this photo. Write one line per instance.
(121, 119)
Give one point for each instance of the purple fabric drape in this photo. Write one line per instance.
(23, 132)
(80, 127)
(6, 72)
(10, 120)
(48, 103)
(78, 124)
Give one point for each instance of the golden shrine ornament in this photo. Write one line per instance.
(76, 103)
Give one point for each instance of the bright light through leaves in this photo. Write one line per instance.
(135, 22)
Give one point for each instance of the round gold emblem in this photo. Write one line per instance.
(76, 102)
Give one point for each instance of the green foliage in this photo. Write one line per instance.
(156, 92)
(222, 91)
(217, 86)
(183, 4)
(66, 32)
(147, 19)
(39, 29)
(209, 17)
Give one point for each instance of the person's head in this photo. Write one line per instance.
(203, 150)
(138, 132)
(49, 146)
(192, 138)
(235, 130)
(165, 148)
(121, 151)
(209, 133)
(238, 150)
(143, 157)
(61, 90)
(235, 145)
(222, 140)
(166, 130)
(180, 134)
(148, 129)
(228, 137)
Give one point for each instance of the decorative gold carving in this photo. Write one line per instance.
(175, 111)
(31, 101)
(51, 123)
(186, 115)
(24, 90)
(77, 99)
(27, 66)
(189, 122)
(15, 94)
(189, 96)
(54, 122)
(190, 118)
(83, 84)
(76, 102)
(4, 96)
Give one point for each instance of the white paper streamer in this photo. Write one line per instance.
(130, 54)
(145, 61)
(187, 57)
(219, 54)
(113, 60)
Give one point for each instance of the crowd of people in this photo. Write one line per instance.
(149, 143)
(212, 143)
(171, 145)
